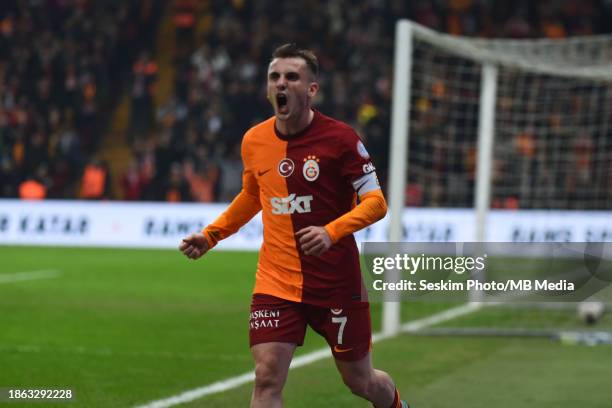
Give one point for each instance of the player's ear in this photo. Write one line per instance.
(313, 88)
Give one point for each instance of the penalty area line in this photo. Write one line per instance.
(27, 276)
(306, 359)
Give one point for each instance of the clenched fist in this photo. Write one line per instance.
(194, 246)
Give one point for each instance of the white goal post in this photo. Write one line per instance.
(497, 122)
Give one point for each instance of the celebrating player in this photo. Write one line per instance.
(306, 172)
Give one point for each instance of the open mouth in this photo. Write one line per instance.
(281, 102)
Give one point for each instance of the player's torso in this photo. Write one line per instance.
(302, 179)
(301, 184)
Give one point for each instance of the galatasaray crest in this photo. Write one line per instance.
(311, 168)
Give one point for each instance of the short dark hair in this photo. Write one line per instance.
(291, 50)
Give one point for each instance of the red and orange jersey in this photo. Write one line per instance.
(311, 178)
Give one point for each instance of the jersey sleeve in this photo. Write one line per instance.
(370, 209)
(358, 170)
(242, 208)
(357, 167)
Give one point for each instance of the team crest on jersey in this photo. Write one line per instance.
(336, 311)
(311, 168)
(362, 150)
(286, 167)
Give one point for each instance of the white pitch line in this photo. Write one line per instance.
(444, 316)
(26, 276)
(306, 359)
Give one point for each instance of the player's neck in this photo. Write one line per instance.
(291, 127)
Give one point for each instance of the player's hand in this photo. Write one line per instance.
(194, 246)
(313, 240)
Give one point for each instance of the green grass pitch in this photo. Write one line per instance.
(124, 327)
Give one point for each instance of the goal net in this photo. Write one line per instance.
(495, 124)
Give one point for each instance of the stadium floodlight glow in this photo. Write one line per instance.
(482, 123)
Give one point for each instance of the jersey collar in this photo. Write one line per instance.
(293, 136)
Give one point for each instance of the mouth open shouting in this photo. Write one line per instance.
(282, 103)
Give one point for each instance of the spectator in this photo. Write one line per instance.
(176, 189)
(35, 188)
(61, 64)
(32, 189)
(230, 172)
(95, 183)
(9, 179)
(132, 183)
(144, 73)
(215, 99)
(202, 181)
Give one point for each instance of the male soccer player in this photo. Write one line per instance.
(305, 171)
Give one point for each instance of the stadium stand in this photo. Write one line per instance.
(61, 64)
(220, 50)
(218, 84)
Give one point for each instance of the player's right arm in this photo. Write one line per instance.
(240, 211)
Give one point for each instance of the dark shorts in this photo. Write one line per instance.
(347, 331)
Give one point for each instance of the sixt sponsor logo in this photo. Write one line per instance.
(291, 204)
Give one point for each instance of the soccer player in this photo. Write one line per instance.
(313, 179)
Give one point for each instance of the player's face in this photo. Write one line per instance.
(291, 87)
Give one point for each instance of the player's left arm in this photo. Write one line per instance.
(371, 208)
(315, 240)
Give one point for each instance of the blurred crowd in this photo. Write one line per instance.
(222, 49)
(552, 144)
(187, 148)
(61, 65)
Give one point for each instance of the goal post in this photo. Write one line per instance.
(400, 117)
(482, 123)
